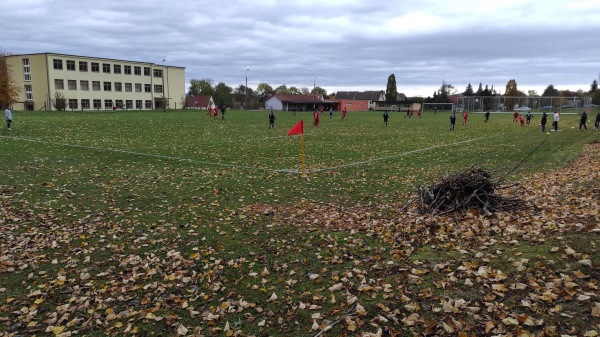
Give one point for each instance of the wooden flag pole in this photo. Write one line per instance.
(302, 147)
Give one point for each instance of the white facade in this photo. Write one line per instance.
(90, 83)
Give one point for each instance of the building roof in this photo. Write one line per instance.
(299, 98)
(369, 95)
(200, 101)
(347, 95)
(94, 58)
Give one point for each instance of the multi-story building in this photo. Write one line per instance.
(57, 81)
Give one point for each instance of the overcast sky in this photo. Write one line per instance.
(345, 44)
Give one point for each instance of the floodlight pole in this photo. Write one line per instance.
(163, 85)
(246, 92)
(314, 93)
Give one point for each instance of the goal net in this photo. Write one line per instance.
(434, 107)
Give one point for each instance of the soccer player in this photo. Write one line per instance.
(487, 116)
(386, 116)
(583, 120)
(316, 118)
(528, 117)
(597, 122)
(209, 111)
(271, 120)
(330, 113)
(216, 113)
(515, 117)
(452, 120)
(521, 120)
(343, 113)
(543, 121)
(419, 113)
(465, 116)
(555, 121)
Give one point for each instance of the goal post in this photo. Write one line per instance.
(435, 107)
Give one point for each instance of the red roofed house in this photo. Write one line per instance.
(359, 101)
(199, 102)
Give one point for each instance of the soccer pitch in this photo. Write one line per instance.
(149, 157)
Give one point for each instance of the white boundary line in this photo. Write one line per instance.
(393, 156)
(291, 171)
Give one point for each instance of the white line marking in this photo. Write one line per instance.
(290, 171)
(392, 156)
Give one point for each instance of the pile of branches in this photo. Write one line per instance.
(473, 188)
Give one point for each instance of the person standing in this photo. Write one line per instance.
(543, 121)
(209, 110)
(487, 116)
(316, 118)
(465, 116)
(452, 120)
(515, 117)
(8, 117)
(223, 113)
(583, 120)
(216, 113)
(330, 113)
(528, 117)
(407, 113)
(555, 120)
(597, 123)
(386, 117)
(271, 120)
(343, 113)
(419, 113)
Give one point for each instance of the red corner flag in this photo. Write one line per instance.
(298, 129)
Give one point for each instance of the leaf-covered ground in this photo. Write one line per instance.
(311, 269)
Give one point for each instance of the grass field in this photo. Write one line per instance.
(161, 223)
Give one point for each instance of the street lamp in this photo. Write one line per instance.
(314, 93)
(163, 85)
(246, 92)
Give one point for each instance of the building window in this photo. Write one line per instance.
(148, 104)
(97, 104)
(85, 86)
(138, 104)
(72, 104)
(108, 104)
(128, 87)
(95, 67)
(106, 68)
(116, 68)
(158, 88)
(59, 84)
(137, 70)
(57, 64)
(119, 103)
(71, 65)
(72, 84)
(85, 103)
(147, 88)
(107, 86)
(127, 70)
(28, 92)
(128, 104)
(138, 87)
(158, 73)
(96, 85)
(83, 66)
(146, 71)
(26, 70)
(118, 86)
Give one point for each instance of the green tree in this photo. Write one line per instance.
(480, 89)
(282, 90)
(593, 86)
(319, 91)
(391, 91)
(9, 92)
(263, 89)
(468, 90)
(294, 91)
(222, 95)
(201, 87)
(550, 91)
(304, 91)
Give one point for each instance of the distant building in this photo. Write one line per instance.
(300, 102)
(199, 102)
(49, 80)
(359, 101)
